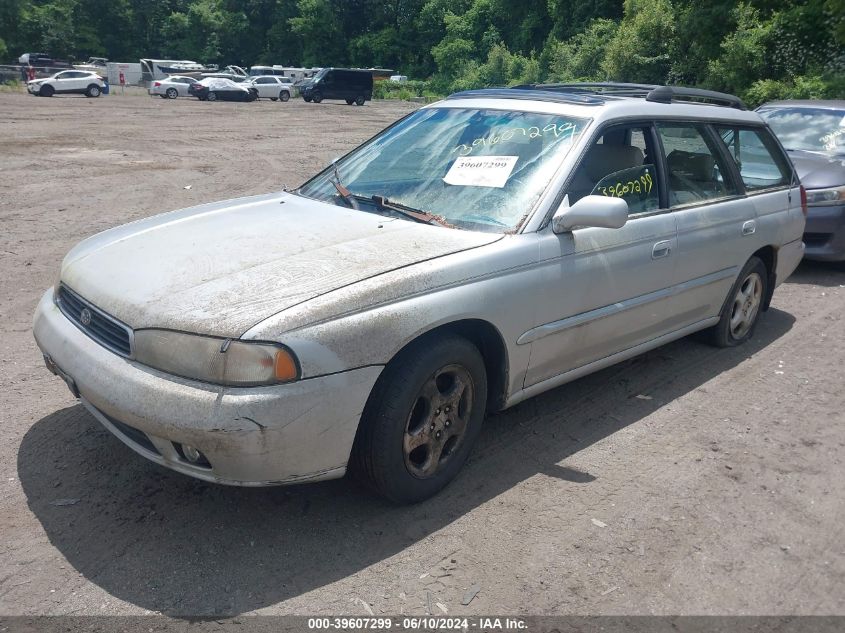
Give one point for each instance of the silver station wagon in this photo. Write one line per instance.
(476, 253)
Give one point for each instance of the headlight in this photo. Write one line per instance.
(216, 360)
(825, 197)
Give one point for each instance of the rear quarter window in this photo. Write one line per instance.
(758, 158)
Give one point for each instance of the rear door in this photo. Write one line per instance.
(607, 290)
(716, 222)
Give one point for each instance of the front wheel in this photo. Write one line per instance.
(741, 311)
(47, 91)
(306, 99)
(422, 419)
(350, 101)
(284, 95)
(92, 91)
(317, 96)
(359, 100)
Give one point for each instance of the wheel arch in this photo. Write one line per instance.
(769, 256)
(489, 341)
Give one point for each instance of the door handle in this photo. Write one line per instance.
(748, 228)
(661, 249)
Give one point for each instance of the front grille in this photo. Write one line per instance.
(106, 330)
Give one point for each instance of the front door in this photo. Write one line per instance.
(606, 290)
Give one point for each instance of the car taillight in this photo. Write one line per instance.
(157, 84)
(803, 200)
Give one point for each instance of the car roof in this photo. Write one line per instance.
(833, 104)
(600, 107)
(265, 77)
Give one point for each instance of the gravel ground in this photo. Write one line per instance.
(690, 480)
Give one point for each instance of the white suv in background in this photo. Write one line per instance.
(272, 87)
(83, 82)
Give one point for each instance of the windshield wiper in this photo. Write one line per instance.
(409, 212)
(348, 196)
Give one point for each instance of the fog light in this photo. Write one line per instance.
(192, 454)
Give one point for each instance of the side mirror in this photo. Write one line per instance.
(600, 211)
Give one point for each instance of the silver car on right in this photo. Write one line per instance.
(813, 132)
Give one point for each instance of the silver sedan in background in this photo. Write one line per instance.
(172, 87)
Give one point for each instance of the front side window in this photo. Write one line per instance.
(695, 168)
(476, 169)
(809, 129)
(761, 164)
(621, 164)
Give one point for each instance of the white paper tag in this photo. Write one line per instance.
(481, 171)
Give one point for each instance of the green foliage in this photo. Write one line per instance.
(642, 48)
(580, 57)
(759, 49)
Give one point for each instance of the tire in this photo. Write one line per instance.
(306, 99)
(93, 91)
(359, 100)
(284, 96)
(742, 308)
(171, 93)
(47, 91)
(212, 96)
(316, 96)
(422, 419)
(274, 98)
(163, 96)
(350, 101)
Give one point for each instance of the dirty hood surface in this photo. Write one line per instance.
(221, 268)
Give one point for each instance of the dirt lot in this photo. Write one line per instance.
(687, 481)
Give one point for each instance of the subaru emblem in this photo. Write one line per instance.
(85, 316)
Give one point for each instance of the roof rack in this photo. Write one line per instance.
(649, 92)
(532, 94)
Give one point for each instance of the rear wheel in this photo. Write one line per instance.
(350, 101)
(92, 91)
(163, 96)
(212, 96)
(306, 99)
(359, 100)
(284, 95)
(422, 419)
(172, 93)
(742, 309)
(47, 91)
(317, 96)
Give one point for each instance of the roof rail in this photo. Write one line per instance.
(534, 94)
(649, 92)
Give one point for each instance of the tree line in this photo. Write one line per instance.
(759, 49)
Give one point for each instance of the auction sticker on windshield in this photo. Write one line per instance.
(481, 171)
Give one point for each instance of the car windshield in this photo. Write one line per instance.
(475, 169)
(811, 129)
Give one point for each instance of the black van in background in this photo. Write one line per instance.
(352, 86)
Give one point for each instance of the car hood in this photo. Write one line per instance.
(818, 171)
(221, 268)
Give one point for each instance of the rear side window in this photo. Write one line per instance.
(760, 162)
(695, 167)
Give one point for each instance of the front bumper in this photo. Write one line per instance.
(251, 436)
(824, 233)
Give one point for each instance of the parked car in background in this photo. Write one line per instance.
(218, 89)
(399, 79)
(271, 87)
(68, 82)
(41, 60)
(172, 87)
(259, 71)
(813, 132)
(478, 252)
(352, 86)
